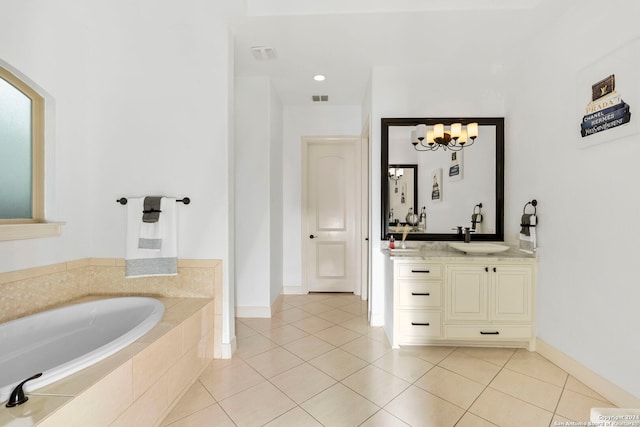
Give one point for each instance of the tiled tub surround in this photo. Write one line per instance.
(136, 386)
(29, 291)
(144, 379)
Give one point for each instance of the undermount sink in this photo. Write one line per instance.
(478, 248)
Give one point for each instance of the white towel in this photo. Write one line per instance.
(151, 248)
(150, 236)
(528, 243)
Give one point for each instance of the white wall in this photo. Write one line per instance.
(300, 122)
(276, 228)
(258, 157)
(410, 92)
(588, 289)
(41, 42)
(252, 216)
(142, 100)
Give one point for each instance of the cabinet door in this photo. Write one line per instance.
(512, 293)
(467, 293)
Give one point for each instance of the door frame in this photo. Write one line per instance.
(365, 188)
(357, 141)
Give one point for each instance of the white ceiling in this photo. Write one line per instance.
(339, 39)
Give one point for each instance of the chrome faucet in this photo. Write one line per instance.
(467, 234)
(464, 233)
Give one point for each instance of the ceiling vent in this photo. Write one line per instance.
(320, 98)
(263, 53)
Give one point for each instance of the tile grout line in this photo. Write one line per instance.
(299, 405)
(467, 410)
(555, 410)
(367, 356)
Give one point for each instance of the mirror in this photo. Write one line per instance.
(450, 185)
(403, 193)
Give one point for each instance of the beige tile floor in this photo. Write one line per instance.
(316, 362)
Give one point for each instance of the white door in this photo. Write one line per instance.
(331, 214)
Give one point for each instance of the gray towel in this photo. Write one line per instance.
(525, 224)
(151, 212)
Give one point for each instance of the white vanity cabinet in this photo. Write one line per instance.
(481, 301)
(418, 297)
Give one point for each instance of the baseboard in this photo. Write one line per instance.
(292, 290)
(228, 349)
(252, 312)
(601, 385)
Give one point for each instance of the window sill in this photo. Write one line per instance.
(30, 231)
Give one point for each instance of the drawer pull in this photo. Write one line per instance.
(420, 271)
(419, 324)
(489, 333)
(420, 294)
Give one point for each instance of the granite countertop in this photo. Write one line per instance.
(429, 250)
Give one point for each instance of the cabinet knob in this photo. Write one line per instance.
(486, 269)
(311, 236)
(495, 269)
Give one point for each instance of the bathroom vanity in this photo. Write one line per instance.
(442, 296)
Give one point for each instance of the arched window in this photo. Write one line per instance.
(21, 159)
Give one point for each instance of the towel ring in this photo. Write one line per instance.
(533, 203)
(479, 206)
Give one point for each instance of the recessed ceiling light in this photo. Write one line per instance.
(319, 78)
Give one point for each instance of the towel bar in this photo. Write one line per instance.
(124, 201)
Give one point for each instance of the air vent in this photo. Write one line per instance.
(320, 98)
(263, 53)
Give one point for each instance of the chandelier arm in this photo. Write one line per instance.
(467, 144)
(429, 147)
(417, 149)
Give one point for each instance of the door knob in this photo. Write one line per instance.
(311, 236)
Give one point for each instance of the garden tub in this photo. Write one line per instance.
(62, 341)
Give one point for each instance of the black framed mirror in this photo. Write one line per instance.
(452, 183)
(403, 193)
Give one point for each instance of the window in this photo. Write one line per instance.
(21, 160)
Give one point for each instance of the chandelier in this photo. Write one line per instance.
(395, 174)
(455, 138)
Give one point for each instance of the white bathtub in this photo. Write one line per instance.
(65, 340)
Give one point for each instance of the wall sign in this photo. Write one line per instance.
(607, 93)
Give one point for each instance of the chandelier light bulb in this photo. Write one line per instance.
(472, 130)
(454, 136)
(456, 128)
(438, 131)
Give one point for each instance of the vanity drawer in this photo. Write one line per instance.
(419, 270)
(489, 332)
(419, 323)
(422, 294)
